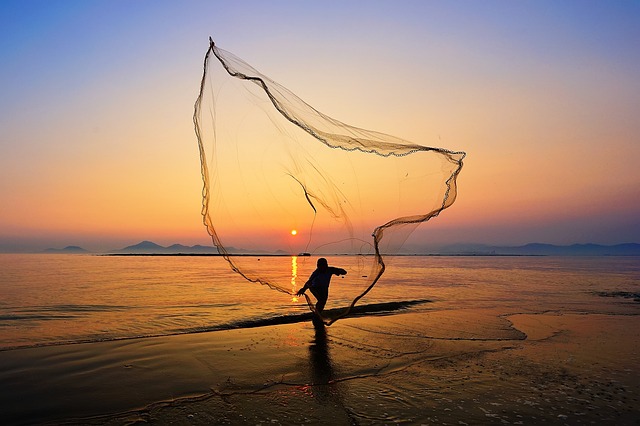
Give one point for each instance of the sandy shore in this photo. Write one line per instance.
(433, 367)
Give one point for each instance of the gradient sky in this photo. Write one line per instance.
(97, 146)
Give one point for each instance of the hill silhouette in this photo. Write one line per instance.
(532, 249)
(67, 249)
(149, 247)
(539, 249)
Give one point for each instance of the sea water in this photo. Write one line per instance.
(492, 340)
(59, 299)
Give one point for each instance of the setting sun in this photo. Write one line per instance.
(294, 232)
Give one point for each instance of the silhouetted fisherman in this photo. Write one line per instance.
(319, 281)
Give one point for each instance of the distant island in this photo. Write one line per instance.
(538, 249)
(149, 247)
(67, 249)
(533, 249)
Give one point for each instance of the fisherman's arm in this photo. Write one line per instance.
(307, 284)
(338, 271)
(304, 288)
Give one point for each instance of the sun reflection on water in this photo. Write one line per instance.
(294, 275)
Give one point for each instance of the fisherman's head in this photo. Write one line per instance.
(322, 263)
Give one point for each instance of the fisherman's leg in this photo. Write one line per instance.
(320, 304)
(321, 297)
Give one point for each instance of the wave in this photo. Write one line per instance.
(54, 312)
(624, 294)
(385, 308)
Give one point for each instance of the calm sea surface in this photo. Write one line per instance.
(56, 299)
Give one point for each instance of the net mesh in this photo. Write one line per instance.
(272, 164)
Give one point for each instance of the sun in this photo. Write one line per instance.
(294, 232)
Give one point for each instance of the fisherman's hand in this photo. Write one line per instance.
(301, 291)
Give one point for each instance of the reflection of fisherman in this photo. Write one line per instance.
(319, 281)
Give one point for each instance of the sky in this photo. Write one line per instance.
(97, 146)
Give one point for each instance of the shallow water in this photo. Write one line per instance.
(54, 299)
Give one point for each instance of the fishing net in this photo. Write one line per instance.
(281, 178)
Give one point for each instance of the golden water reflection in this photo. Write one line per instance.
(294, 275)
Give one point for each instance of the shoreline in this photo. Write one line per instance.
(371, 309)
(472, 366)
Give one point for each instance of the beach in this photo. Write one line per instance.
(404, 368)
(471, 354)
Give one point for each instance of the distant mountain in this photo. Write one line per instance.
(179, 248)
(143, 247)
(533, 249)
(67, 249)
(538, 249)
(149, 247)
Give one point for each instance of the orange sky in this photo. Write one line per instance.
(97, 144)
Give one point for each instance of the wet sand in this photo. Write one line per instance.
(430, 367)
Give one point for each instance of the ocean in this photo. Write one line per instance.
(54, 299)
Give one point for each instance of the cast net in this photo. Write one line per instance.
(272, 164)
